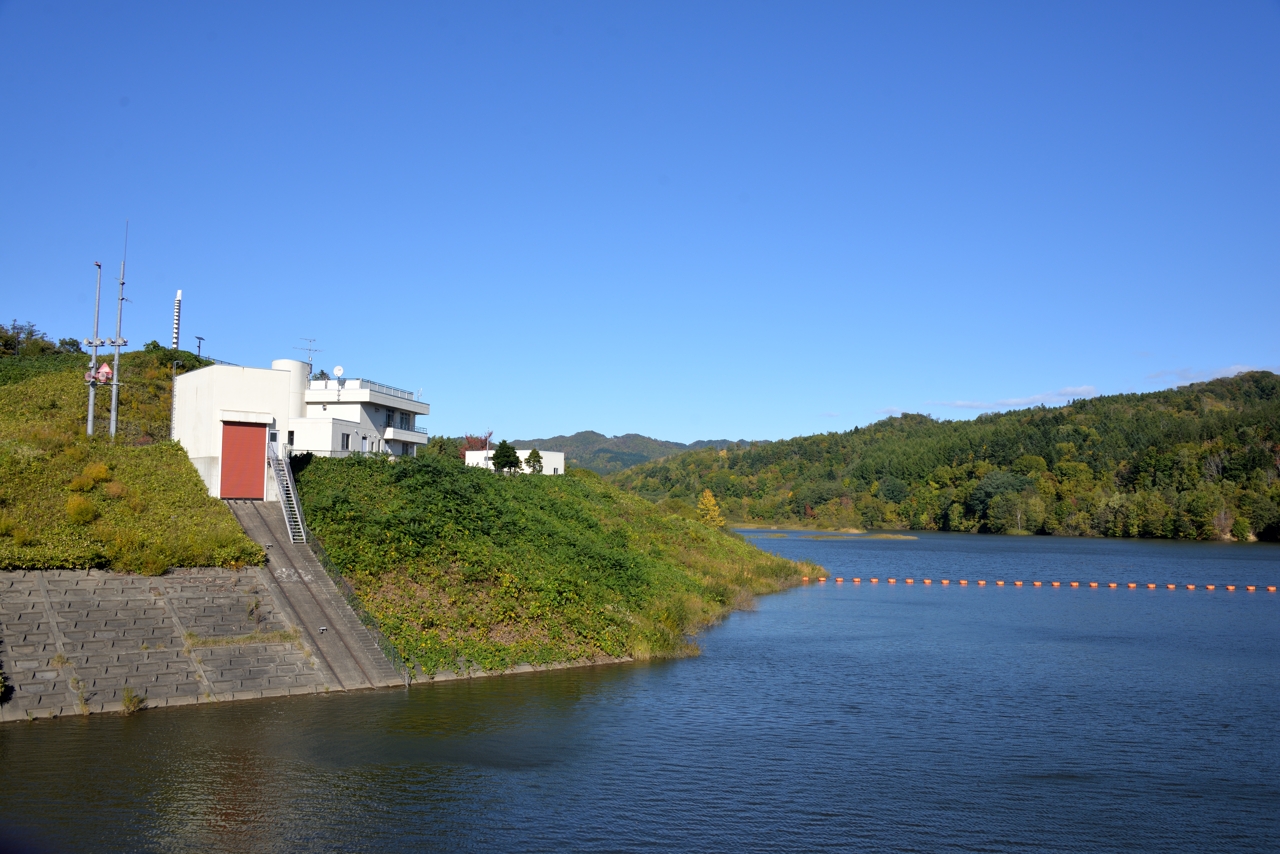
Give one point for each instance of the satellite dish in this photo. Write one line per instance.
(337, 372)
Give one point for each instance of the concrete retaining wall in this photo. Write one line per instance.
(71, 641)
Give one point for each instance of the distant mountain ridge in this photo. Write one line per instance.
(606, 455)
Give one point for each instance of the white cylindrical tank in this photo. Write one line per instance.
(299, 373)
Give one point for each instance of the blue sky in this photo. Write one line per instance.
(688, 220)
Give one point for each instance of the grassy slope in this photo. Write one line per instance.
(459, 563)
(1199, 461)
(146, 511)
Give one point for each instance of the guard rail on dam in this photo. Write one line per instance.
(73, 641)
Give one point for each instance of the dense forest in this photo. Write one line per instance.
(1199, 462)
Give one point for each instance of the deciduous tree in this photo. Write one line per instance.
(709, 510)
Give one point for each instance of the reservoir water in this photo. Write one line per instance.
(832, 718)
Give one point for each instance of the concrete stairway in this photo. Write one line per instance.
(345, 646)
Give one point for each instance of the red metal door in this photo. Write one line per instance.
(244, 460)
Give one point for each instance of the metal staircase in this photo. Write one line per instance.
(288, 495)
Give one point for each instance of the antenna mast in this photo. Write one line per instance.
(93, 344)
(309, 350)
(118, 342)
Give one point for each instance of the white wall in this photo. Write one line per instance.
(552, 461)
(205, 398)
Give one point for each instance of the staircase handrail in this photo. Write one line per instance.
(281, 469)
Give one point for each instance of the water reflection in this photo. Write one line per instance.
(903, 718)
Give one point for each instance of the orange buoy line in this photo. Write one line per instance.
(1112, 585)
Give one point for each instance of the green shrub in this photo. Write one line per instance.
(97, 472)
(80, 510)
(80, 483)
(461, 568)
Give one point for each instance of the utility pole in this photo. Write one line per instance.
(93, 344)
(199, 344)
(118, 342)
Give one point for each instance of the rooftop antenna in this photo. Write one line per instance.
(93, 344)
(118, 342)
(199, 342)
(310, 349)
(177, 317)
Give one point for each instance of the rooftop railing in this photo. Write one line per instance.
(357, 383)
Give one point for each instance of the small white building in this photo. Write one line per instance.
(231, 420)
(552, 461)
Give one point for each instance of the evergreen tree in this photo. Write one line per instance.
(534, 462)
(709, 510)
(505, 458)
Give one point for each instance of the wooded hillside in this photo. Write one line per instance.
(1201, 461)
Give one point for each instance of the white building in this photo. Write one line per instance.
(230, 420)
(552, 461)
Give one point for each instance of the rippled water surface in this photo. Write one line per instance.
(835, 717)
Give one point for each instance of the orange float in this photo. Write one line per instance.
(875, 581)
(1231, 587)
(1173, 587)
(928, 581)
(1132, 585)
(893, 581)
(982, 584)
(1112, 585)
(1209, 586)
(1271, 589)
(964, 583)
(822, 581)
(839, 580)
(999, 584)
(1037, 583)
(1075, 584)
(857, 581)
(1017, 584)
(1095, 584)
(911, 581)
(1250, 588)
(1059, 584)
(804, 578)
(945, 582)
(1151, 587)
(1191, 587)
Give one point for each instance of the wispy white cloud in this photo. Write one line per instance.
(1062, 395)
(890, 410)
(1194, 375)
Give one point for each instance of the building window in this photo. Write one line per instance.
(273, 436)
(291, 438)
(390, 417)
(364, 444)
(346, 441)
(404, 421)
(555, 471)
